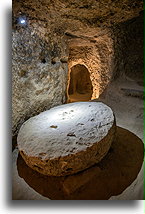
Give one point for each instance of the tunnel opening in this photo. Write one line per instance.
(80, 85)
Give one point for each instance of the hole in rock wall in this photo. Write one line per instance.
(43, 61)
(80, 86)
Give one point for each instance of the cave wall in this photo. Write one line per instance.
(39, 71)
(97, 55)
(60, 34)
(128, 46)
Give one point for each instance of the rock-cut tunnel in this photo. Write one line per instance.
(80, 86)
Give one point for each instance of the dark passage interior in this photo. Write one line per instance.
(80, 85)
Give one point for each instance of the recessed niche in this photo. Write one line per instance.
(80, 86)
(43, 60)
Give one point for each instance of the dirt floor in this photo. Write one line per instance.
(128, 109)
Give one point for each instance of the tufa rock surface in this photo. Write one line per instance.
(104, 36)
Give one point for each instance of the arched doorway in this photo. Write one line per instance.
(80, 85)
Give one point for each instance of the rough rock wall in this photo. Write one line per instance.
(38, 76)
(40, 73)
(74, 14)
(96, 54)
(128, 46)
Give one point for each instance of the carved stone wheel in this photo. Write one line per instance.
(68, 138)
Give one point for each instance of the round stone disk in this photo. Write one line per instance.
(68, 138)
